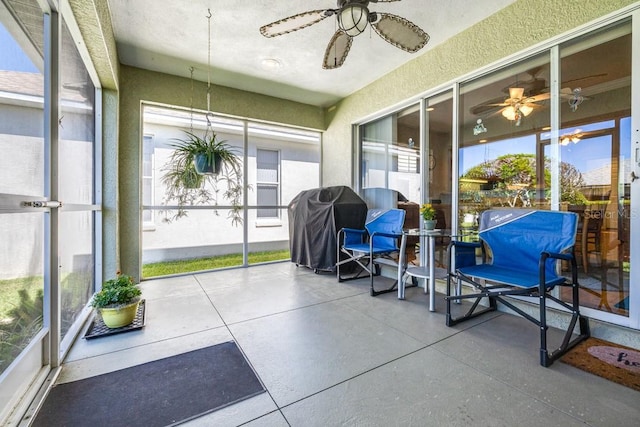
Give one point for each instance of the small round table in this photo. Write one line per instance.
(427, 270)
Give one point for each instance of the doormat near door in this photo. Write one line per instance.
(614, 362)
(159, 393)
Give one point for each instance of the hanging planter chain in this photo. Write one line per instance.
(191, 103)
(209, 115)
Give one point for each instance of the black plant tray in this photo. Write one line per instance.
(99, 329)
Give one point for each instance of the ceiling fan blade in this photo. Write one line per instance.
(482, 109)
(538, 98)
(337, 50)
(295, 22)
(488, 106)
(580, 79)
(400, 32)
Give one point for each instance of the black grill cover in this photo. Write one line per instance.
(315, 217)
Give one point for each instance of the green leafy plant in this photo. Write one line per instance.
(116, 293)
(428, 212)
(19, 325)
(513, 181)
(186, 187)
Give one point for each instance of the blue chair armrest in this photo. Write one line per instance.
(380, 241)
(351, 236)
(564, 256)
(465, 253)
(465, 244)
(381, 234)
(354, 231)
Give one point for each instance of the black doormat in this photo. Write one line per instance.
(159, 393)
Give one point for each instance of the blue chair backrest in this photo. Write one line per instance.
(385, 221)
(516, 237)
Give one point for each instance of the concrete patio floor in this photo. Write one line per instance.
(329, 354)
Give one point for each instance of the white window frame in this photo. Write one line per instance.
(148, 225)
(276, 184)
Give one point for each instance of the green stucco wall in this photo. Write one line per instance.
(124, 88)
(489, 41)
(94, 20)
(136, 86)
(485, 43)
(110, 221)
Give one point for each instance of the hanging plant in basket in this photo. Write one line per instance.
(199, 165)
(195, 170)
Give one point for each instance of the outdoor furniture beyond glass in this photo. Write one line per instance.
(373, 245)
(427, 269)
(525, 249)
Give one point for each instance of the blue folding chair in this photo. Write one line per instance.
(522, 252)
(379, 239)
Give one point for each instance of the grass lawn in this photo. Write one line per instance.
(210, 263)
(9, 298)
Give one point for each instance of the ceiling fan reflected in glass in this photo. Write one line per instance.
(518, 105)
(353, 16)
(526, 96)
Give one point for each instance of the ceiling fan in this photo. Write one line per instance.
(353, 17)
(518, 105)
(513, 108)
(524, 97)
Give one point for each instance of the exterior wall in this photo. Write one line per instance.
(481, 45)
(139, 85)
(485, 43)
(122, 127)
(21, 167)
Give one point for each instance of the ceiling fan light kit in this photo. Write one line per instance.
(516, 111)
(352, 19)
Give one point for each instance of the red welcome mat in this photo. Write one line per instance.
(608, 360)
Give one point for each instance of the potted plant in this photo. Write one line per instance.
(117, 301)
(195, 169)
(428, 215)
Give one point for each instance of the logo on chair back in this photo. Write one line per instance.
(495, 218)
(616, 356)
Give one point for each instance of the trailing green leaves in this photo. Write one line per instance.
(186, 187)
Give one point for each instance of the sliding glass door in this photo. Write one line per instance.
(554, 130)
(595, 138)
(77, 244)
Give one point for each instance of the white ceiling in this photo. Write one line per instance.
(170, 37)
